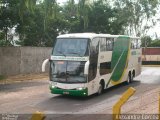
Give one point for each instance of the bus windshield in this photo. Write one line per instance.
(67, 72)
(71, 47)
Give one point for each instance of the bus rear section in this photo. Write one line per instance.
(124, 65)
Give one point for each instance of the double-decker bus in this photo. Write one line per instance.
(82, 64)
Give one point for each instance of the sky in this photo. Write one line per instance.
(151, 32)
(156, 28)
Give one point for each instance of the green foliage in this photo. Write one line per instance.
(136, 14)
(103, 19)
(2, 35)
(8, 19)
(2, 77)
(33, 30)
(38, 22)
(146, 41)
(155, 43)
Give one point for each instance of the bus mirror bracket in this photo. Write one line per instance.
(44, 65)
(86, 67)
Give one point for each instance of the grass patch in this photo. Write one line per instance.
(2, 77)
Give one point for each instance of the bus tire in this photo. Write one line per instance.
(129, 78)
(100, 89)
(133, 74)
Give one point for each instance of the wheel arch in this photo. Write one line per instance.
(134, 73)
(102, 82)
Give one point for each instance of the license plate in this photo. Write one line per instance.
(66, 93)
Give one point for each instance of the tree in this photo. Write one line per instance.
(137, 14)
(50, 8)
(33, 30)
(8, 20)
(155, 43)
(103, 19)
(146, 41)
(70, 16)
(38, 22)
(83, 11)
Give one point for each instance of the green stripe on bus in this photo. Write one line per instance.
(119, 58)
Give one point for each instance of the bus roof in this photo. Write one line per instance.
(91, 35)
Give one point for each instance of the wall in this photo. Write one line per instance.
(151, 51)
(0, 60)
(22, 60)
(151, 54)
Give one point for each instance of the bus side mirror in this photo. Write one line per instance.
(44, 65)
(86, 67)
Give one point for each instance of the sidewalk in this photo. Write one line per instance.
(24, 77)
(145, 103)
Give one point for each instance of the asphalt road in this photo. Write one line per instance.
(28, 97)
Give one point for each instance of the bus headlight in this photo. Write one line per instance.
(81, 88)
(53, 85)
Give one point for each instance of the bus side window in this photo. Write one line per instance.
(109, 44)
(103, 45)
(135, 43)
(138, 44)
(94, 49)
(105, 68)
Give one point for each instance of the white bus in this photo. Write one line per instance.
(82, 64)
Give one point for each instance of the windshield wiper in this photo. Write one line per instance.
(61, 53)
(75, 53)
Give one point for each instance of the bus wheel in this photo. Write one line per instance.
(130, 78)
(100, 89)
(133, 74)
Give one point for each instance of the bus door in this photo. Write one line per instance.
(92, 75)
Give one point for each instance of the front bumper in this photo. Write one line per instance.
(83, 92)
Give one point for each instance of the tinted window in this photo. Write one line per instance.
(103, 45)
(67, 71)
(135, 43)
(106, 44)
(110, 44)
(94, 46)
(105, 68)
(71, 47)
